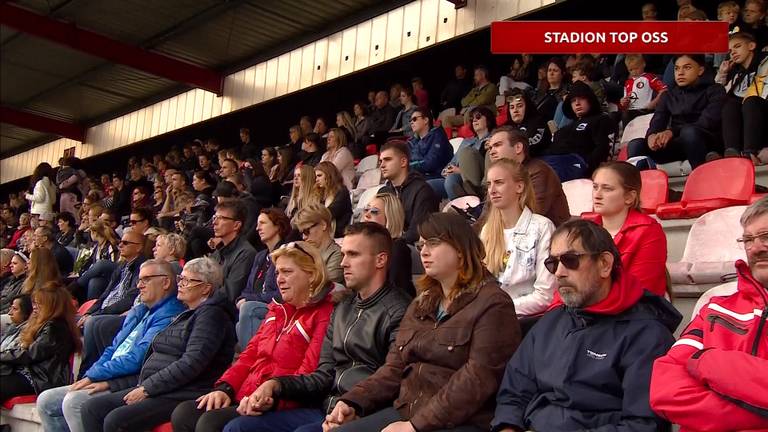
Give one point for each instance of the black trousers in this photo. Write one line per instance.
(14, 385)
(755, 111)
(110, 413)
(187, 418)
(98, 334)
(381, 419)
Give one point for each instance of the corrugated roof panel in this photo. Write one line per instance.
(13, 137)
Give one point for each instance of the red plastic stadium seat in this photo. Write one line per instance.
(465, 131)
(655, 190)
(85, 306)
(448, 132)
(590, 216)
(371, 149)
(18, 400)
(623, 154)
(713, 185)
(165, 427)
(756, 197)
(502, 117)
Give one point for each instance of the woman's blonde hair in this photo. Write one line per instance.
(349, 123)
(305, 196)
(333, 183)
(104, 231)
(42, 270)
(53, 301)
(176, 243)
(313, 214)
(308, 259)
(492, 233)
(393, 212)
(340, 136)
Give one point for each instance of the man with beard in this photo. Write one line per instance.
(716, 375)
(587, 362)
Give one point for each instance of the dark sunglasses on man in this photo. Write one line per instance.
(570, 260)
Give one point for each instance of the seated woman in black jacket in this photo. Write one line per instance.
(331, 192)
(182, 363)
(39, 358)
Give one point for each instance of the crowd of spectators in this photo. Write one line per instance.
(183, 260)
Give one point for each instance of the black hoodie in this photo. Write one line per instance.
(587, 136)
(419, 200)
(534, 125)
(698, 105)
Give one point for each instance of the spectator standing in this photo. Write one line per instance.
(42, 190)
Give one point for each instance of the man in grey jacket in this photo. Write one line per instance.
(233, 252)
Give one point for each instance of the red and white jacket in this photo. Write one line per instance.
(288, 342)
(715, 377)
(641, 90)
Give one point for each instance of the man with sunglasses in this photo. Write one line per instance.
(102, 320)
(586, 364)
(140, 220)
(117, 366)
(715, 377)
(430, 149)
(417, 197)
(233, 252)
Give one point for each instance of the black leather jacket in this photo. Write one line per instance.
(46, 360)
(355, 345)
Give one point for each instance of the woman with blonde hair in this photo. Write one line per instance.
(345, 122)
(315, 225)
(288, 342)
(302, 193)
(386, 209)
(330, 191)
(516, 239)
(41, 358)
(450, 352)
(42, 269)
(338, 153)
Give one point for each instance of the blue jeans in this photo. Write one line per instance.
(560, 119)
(59, 409)
(295, 420)
(445, 187)
(567, 166)
(94, 281)
(252, 313)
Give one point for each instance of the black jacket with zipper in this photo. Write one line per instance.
(355, 345)
(419, 200)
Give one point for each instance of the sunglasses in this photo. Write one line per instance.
(305, 231)
(135, 221)
(126, 242)
(295, 245)
(414, 118)
(372, 210)
(570, 260)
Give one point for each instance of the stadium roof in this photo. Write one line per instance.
(69, 64)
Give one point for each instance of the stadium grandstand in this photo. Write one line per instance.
(351, 215)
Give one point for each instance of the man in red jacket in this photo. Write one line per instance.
(715, 377)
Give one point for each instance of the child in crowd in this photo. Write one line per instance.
(642, 90)
(728, 11)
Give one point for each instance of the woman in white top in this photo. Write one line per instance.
(43, 190)
(517, 240)
(339, 154)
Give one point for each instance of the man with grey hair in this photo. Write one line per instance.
(600, 338)
(715, 377)
(116, 368)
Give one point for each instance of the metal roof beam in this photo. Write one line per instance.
(28, 120)
(109, 49)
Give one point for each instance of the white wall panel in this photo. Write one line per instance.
(416, 25)
(307, 66)
(320, 66)
(428, 24)
(411, 22)
(333, 65)
(394, 33)
(363, 45)
(348, 43)
(378, 39)
(446, 25)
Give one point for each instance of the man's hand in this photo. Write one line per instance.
(97, 387)
(135, 396)
(725, 67)
(214, 400)
(664, 138)
(262, 398)
(401, 426)
(214, 242)
(342, 413)
(80, 384)
(240, 303)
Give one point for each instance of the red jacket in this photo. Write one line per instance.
(715, 377)
(643, 248)
(288, 343)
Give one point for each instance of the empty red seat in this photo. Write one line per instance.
(18, 400)
(713, 185)
(655, 190)
(85, 306)
(165, 427)
(623, 154)
(371, 149)
(465, 131)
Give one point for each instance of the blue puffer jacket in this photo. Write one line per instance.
(429, 155)
(157, 318)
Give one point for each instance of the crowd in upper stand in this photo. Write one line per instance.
(237, 288)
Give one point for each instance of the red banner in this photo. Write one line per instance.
(609, 37)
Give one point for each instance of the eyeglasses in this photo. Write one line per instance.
(135, 221)
(431, 243)
(305, 231)
(295, 245)
(217, 217)
(126, 242)
(145, 280)
(749, 240)
(372, 210)
(414, 118)
(186, 282)
(570, 260)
